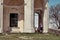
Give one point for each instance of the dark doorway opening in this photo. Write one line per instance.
(13, 20)
(38, 22)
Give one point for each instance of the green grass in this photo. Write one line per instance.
(34, 36)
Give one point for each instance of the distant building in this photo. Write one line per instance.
(18, 15)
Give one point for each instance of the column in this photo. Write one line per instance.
(29, 16)
(46, 19)
(1, 16)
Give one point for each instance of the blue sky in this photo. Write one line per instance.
(53, 2)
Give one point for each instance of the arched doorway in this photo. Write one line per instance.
(38, 22)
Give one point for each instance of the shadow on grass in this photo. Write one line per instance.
(29, 36)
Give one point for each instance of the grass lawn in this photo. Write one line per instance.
(35, 36)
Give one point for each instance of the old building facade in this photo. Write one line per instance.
(18, 15)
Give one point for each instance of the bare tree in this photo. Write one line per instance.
(55, 13)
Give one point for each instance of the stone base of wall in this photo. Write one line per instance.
(54, 31)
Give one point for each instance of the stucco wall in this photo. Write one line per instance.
(17, 6)
(1, 16)
(13, 9)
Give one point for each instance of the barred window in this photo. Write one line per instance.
(13, 20)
